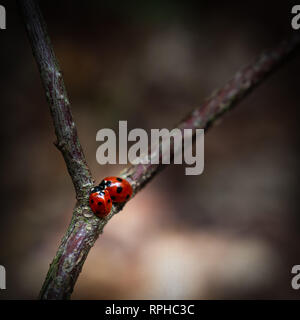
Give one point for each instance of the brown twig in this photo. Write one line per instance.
(51, 75)
(85, 228)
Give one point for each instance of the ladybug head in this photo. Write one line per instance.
(104, 183)
(95, 189)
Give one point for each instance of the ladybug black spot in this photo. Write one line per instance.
(113, 197)
(108, 201)
(99, 203)
(92, 201)
(119, 189)
(127, 197)
(119, 179)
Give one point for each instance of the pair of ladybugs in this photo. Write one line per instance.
(110, 190)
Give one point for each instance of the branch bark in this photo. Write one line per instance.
(57, 97)
(85, 228)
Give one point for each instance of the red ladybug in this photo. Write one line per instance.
(119, 189)
(100, 202)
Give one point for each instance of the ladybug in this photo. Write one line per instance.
(119, 189)
(100, 202)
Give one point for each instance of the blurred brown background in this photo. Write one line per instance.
(232, 232)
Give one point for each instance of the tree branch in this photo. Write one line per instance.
(85, 228)
(235, 90)
(51, 75)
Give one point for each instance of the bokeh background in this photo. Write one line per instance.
(232, 232)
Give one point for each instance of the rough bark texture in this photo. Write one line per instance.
(51, 75)
(85, 228)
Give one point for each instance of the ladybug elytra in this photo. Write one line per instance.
(119, 189)
(100, 202)
(111, 189)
